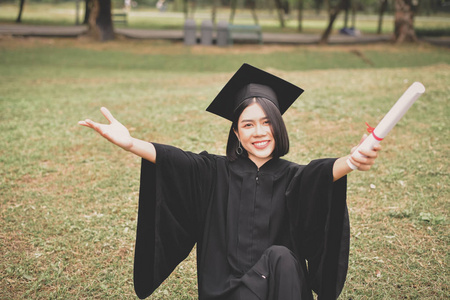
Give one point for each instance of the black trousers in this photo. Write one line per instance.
(276, 276)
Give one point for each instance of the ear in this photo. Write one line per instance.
(236, 132)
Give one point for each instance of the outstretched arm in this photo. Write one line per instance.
(341, 168)
(119, 135)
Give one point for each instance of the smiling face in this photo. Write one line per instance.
(255, 133)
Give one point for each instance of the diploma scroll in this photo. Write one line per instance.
(390, 119)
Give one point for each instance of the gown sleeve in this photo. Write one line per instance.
(173, 197)
(320, 226)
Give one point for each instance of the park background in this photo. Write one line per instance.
(68, 202)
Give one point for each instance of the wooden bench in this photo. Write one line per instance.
(120, 18)
(244, 33)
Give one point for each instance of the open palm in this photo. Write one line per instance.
(114, 132)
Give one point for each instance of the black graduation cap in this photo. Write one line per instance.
(249, 82)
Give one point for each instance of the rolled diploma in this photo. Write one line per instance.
(390, 119)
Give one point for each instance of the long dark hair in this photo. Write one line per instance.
(278, 127)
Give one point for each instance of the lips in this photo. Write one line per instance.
(261, 144)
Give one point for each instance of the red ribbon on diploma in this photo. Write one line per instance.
(370, 129)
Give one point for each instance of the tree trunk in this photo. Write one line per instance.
(383, 7)
(189, 7)
(280, 11)
(318, 6)
(333, 13)
(186, 9)
(19, 17)
(300, 15)
(404, 22)
(194, 8)
(233, 5)
(100, 21)
(88, 7)
(252, 5)
(353, 15)
(214, 12)
(346, 9)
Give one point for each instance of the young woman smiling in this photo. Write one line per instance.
(265, 228)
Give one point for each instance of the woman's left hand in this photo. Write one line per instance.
(365, 162)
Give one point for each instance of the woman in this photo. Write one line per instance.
(265, 228)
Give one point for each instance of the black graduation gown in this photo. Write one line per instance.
(234, 212)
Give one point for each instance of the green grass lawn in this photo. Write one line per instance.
(68, 202)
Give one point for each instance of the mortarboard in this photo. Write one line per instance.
(249, 82)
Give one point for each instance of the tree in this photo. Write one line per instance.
(252, 5)
(19, 17)
(248, 3)
(189, 6)
(100, 21)
(318, 6)
(404, 22)
(300, 14)
(214, 11)
(88, 7)
(280, 12)
(333, 12)
(383, 7)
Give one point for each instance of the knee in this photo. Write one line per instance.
(278, 250)
(281, 254)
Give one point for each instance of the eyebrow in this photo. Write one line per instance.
(250, 120)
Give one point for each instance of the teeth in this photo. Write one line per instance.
(261, 143)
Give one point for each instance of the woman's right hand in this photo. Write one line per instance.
(114, 132)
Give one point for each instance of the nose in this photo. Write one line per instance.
(259, 130)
